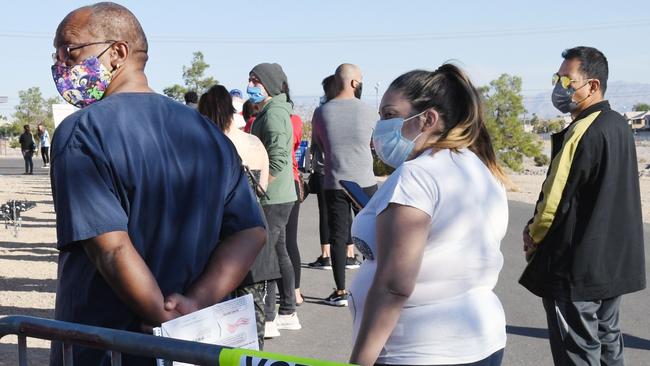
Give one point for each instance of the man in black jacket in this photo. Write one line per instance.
(27, 148)
(585, 241)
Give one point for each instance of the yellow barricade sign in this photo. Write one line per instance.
(246, 357)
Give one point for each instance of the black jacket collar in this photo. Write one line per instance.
(557, 139)
(600, 106)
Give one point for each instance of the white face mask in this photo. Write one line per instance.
(391, 147)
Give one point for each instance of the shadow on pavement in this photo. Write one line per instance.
(37, 251)
(27, 284)
(629, 341)
(26, 246)
(27, 218)
(52, 225)
(313, 300)
(527, 331)
(15, 310)
(33, 258)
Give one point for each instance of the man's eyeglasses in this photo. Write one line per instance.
(564, 81)
(62, 53)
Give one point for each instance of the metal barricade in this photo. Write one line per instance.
(118, 341)
(115, 341)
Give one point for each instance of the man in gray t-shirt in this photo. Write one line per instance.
(342, 129)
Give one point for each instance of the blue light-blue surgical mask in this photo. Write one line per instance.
(255, 94)
(391, 147)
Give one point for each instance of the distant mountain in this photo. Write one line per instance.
(622, 96)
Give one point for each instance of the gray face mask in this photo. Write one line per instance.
(563, 98)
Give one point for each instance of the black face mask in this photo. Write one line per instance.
(357, 90)
(562, 98)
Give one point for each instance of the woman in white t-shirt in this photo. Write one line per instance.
(432, 232)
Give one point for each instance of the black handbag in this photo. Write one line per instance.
(314, 182)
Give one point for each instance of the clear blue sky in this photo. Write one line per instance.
(310, 38)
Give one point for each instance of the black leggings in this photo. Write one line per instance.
(292, 239)
(339, 218)
(45, 153)
(323, 226)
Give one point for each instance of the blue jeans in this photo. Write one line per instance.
(29, 164)
(492, 360)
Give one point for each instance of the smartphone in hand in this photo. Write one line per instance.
(358, 197)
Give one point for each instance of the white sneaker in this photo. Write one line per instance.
(271, 330)
(289, 322)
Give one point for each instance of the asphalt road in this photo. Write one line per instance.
(326, 331)
(16, 166)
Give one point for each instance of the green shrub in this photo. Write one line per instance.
(380, 168)
(513, 160)
(14, 143)
(542, 160)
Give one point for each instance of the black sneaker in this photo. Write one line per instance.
(321, 263)
(352, 262)
(336, 299)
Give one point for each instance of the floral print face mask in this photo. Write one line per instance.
(82, 84)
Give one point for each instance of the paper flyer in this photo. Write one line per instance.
(230, 323)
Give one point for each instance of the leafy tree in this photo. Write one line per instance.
(175, 92)
(641, 107)
(534, 120)
(548, 126)
(306, 130)
(193, 79)
(554, 126)
(33, 109)
(193, 75)
(5, 128)
(503, 104)
(539, 125)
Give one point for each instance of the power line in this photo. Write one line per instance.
(608, 95)
(370, 38)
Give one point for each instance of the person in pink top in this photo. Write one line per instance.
(292, 225)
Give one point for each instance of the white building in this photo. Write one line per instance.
(638, 120)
